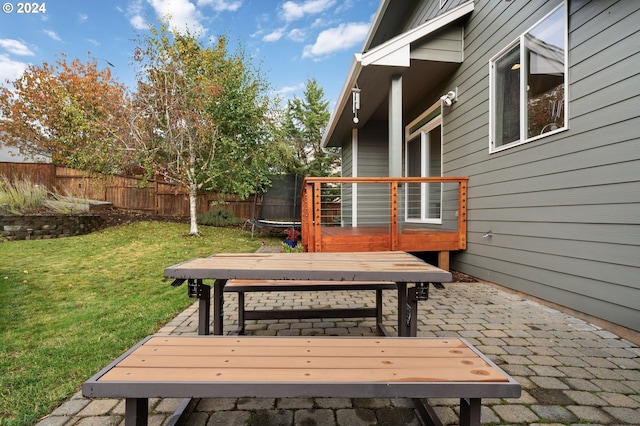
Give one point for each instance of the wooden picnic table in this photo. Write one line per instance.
(318, 366)
(408, 272)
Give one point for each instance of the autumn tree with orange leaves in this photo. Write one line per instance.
(73, 113)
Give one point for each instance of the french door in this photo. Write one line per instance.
(424, 159)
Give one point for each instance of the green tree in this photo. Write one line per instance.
(202, 117)
(304, 123)
(70, 112)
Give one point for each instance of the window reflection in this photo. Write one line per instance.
(544, 49)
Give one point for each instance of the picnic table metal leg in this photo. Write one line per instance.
(204, 310)
(218, 306)
(203, 292)
(426, 412)
(241, 319)
(136, 411)
(379, 326)
(413, 314)
(470, 411)
(403, 329)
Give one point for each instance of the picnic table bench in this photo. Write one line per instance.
(247, 286)
(280, 367)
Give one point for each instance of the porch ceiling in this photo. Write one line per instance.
(372, 72)
(418, 81)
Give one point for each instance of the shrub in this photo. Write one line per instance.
(21, 196)
(220, 217)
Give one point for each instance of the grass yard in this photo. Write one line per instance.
(69, 306)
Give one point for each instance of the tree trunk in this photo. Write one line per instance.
(193, 198)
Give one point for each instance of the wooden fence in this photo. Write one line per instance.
(155, 197)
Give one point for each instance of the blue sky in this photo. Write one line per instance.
(291, 40)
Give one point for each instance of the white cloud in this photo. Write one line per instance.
(222, 5)
(138, 22)
(274, 35)
(288, 92)
(82, 17)
(16, 47)
(342, 37)
(52, 34)
(10, 69)
(292, 11)
(297, 35)
(134, 13)
(182, 14)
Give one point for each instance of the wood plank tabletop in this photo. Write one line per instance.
(303, 360)
(346, 266)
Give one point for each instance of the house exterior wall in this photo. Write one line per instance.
(564, 210)
(374, 159)
(373, 200)
(426, 10)
(346, 195)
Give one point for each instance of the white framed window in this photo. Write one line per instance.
(423, 158)
(528, 84)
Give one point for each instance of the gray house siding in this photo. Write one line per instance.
(373, 199)
(373, 155)
(429, 10)
(563, 211)
(346, 191)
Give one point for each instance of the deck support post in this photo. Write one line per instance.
(443, 260)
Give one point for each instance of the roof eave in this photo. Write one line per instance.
(393, 53)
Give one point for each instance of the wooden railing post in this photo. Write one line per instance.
(317, 216)
(306, 217)
(394, 215)
(462, 214)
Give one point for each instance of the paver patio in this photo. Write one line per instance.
(571, 371)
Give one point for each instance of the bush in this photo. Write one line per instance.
(220, 217)
(21, 196)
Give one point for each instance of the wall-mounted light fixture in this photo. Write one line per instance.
(355, 98)
(450, 97)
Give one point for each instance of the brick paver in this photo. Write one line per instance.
(571, 371)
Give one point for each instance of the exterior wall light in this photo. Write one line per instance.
(450, 97)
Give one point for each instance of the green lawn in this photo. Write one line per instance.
(69, 306)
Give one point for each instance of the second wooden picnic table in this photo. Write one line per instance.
(410, 274)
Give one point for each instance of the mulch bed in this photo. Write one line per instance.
(115, 217)
(459, 277)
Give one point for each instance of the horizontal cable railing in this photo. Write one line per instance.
(383, 213)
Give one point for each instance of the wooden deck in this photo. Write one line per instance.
(377, 238)
(322, 234)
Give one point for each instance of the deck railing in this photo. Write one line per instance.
(382, 213)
